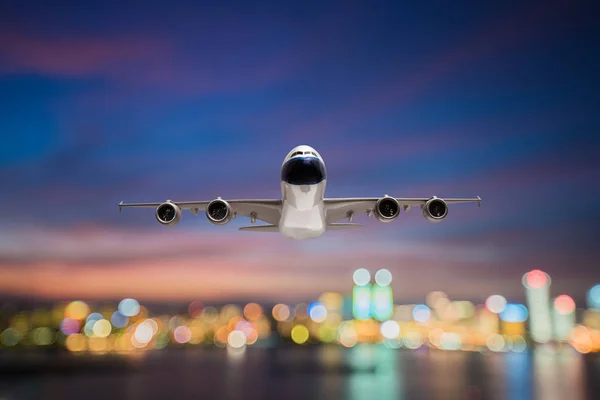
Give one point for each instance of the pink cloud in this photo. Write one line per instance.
(92, 56)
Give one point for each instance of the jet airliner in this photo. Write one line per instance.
(303, 211)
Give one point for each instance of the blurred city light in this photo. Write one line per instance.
(594, 297)
(129, 307)
(514, 313)
(496, 303)
(421, 313)
(442, 323)
(564, 304)
(390, 329)
(361, 277)
(300, 334)
(383, 277)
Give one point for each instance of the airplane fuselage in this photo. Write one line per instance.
(303, 181)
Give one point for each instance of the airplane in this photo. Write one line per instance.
(303, 212)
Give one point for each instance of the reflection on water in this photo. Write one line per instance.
(559, 374)
(385, 382)
(318, 372)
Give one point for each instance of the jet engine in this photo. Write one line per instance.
(435, 210)
(219, 212)
(386, 209)
(168, 214)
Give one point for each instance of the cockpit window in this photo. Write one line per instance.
(303, 171)
(297, 153)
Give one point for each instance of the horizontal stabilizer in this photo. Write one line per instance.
(260, 228)
(342, 225)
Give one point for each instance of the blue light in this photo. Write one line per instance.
(129, 307)
(94, 317)
(421, 313)
(514, 313)
(119, 320)
(594, 297)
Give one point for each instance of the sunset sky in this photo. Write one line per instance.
(110, 102)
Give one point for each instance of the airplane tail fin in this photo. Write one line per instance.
(260, 228)
(342, 225)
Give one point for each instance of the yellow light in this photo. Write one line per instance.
(75, 342)
(98, 344)
(43, 336)
(300, 334)
(331, 301)
(77, 310)
(102, 328)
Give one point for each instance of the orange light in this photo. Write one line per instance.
(564, 304)
(253, 311)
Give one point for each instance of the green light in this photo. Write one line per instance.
(361, 302)
(383, 302)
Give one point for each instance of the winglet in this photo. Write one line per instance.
(478, 201)
(121, 206)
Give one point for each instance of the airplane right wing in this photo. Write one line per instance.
(342, 208)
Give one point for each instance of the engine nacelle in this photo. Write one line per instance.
(219, 212)
(435, 210)
(386, 209)
(168, 214)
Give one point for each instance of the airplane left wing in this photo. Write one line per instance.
(264, 210)
(342, 208)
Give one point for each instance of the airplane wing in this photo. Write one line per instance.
(342, 208)
(264, 210)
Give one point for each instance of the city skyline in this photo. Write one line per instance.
(153, 104)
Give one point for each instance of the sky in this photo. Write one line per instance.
(105, 101)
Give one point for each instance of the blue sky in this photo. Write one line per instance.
(106, 102)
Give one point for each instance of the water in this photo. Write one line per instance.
(295, 372)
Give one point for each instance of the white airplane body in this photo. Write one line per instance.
(303, 212)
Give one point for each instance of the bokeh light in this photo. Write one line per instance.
(182, 334)
(496, 303)
(10, 337)
(129, 307)
(300, 334)
(317, 312)
(390, 329)
(361, 277)
(383, 277)
(495, 342)
(43, 336)
(95, 316)
(253, 311)
(88, 328)
(514, 313)
(594, 297)
(195, 309)
(143, 333)
(69, 326)
(331, 301)
(564, 304)
(282, 312)
(421, 313)
(119, 320)
(102, 328)
(78, 310)
(536, 279)
(236, 339)
(76, 342)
